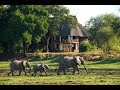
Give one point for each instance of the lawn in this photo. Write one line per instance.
(100, 72)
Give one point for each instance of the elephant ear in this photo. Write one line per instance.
(77, 60)
(82, 60)
(24, 63)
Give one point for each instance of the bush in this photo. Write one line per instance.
(85, 47)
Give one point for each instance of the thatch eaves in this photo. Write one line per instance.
(77, 31)
(80, 31)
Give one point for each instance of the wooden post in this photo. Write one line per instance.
(75, 46)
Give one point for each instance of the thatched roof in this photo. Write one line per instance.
(78, 31)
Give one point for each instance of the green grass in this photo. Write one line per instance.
(62, 80)
(104, 72)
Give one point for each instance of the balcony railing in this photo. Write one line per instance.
(73, 40)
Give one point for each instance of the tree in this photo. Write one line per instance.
(28, 27)
(58, 15)
(103, 37)
(104, 29)
(28, 23)
(4, 33)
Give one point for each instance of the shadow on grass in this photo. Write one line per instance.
(4, 70)
(53, 71)
(103, 71)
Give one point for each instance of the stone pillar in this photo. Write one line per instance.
(68, 38)
(76, 46)
(61, 47)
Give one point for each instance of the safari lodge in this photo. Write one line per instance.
(69, 40)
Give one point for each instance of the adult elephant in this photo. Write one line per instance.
(19, 65)
(68, 62)
(40, 67)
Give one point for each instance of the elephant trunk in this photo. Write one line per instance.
(85, 68)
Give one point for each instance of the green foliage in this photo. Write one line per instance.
(57, 13)
(105, 31)
(86, 47)
(23, 26)
(59, 20)
(68, 23)
(23, 23)
(27, 37)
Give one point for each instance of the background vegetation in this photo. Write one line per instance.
(31, 28)
(105, 30)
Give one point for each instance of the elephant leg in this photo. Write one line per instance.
(19, 72)
(35, 74)
(45, 73)
(32, 74)
(25, 71)
(64, 71)
(41, 72)
(73, 71)
(12, 72)
(9, 72)
(78, 70)
(85, 68)
(59, 70)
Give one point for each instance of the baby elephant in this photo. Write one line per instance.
(41, 68)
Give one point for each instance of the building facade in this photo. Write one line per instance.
(70, 41)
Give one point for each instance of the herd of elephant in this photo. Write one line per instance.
(64, 63)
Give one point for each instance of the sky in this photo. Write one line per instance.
(85, 12)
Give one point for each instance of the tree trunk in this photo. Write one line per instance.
(24, 49)
(5, 46)
(52, 47)
(47, 44)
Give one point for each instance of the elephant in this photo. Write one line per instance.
(41, 68)
(19, 65)
(66, 62)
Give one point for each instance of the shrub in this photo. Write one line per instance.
(85, 47)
